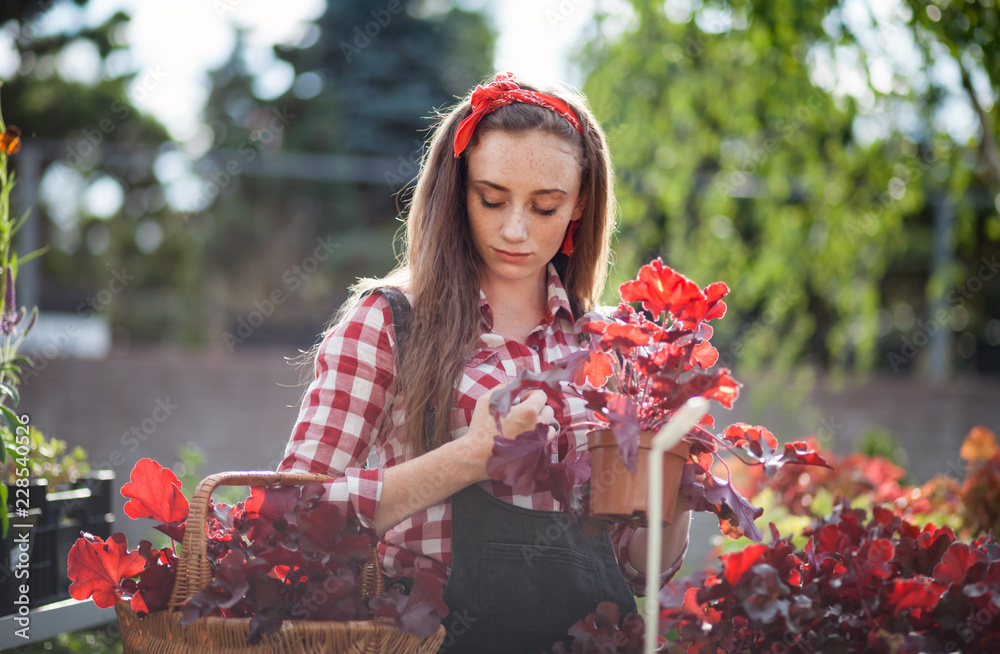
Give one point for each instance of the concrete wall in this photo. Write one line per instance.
(240, 409)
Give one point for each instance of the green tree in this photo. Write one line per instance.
(79, 133)
(741, 159)
(365, 83)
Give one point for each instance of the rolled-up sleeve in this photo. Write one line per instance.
(345, 410)
(620, 539)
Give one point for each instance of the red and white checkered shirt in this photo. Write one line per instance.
(352, 412)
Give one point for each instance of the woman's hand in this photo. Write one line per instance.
(522, 417)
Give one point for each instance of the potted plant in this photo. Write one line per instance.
(255, 571)
(639, 369)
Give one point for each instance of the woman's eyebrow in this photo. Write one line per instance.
(544, 191)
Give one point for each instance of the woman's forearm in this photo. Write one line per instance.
(675, 537)
(419, 483)
(428, 479)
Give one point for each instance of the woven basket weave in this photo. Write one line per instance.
(161, 632)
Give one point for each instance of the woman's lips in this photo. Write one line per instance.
(511, 257)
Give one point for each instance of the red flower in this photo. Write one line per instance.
(660, 288)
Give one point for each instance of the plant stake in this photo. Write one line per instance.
(671, 434)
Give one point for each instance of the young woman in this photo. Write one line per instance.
(507, 240)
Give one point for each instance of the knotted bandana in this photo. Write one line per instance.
(504, 90)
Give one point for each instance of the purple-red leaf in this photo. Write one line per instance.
(622, 414)
(418, 613)
(522, 461)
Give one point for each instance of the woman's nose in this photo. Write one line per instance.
(515, 226)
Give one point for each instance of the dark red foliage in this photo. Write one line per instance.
(524, 464)
(418, 613)
(521, 461)
(283, 554)
(636, 374)
(604, 632)
(861, 584)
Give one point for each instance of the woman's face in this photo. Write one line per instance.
(522, 193)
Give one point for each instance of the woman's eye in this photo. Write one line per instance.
(546, 212)
(489, 205)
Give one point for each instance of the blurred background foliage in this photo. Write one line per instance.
(199, 254)
(815, 156)
(835, 162)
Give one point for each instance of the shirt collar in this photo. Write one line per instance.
(557, 301)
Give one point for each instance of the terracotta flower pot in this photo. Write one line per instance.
(618, 494)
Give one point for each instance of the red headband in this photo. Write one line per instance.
(504, 90)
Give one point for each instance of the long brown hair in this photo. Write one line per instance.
(440, 266)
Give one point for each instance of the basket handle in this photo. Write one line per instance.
(193, 571)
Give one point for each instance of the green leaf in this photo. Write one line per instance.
(32, 255)
(4, 521)
(10, 390)
(20, 221)
(11, 417)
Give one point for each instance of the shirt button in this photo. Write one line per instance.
(534, 348)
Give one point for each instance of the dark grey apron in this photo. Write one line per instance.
(519, 578)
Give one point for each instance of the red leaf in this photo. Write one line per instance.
(714, 293)
(915, 593)
(155, 492)
(98, 568)
(956, 562)
(155, 586)
(522, 461)
(419, 613)
(736, 565)
(623, 416)
(595, 370)
(704, 355)
(619, 336)
(756, 438)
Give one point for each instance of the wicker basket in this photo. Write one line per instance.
(161, 632)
